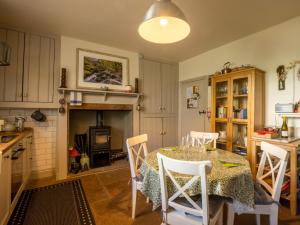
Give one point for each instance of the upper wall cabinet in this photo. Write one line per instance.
(152, 87)
(38, 69)
(169, 81)
(11, 76)
(32, 77)
(160, 87)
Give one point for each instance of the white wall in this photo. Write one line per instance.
(68, 57)
(266, 50)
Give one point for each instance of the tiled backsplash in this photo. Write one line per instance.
(44, 138)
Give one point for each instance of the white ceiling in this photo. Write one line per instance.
(115, 22)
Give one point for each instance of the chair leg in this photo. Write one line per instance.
(134, 195)
(257, 217)
(274, 215)
(220, 219)
(230, 214)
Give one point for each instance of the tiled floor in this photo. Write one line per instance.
(109, 196)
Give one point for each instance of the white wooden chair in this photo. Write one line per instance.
(180, 208)
(204, 137)
(266, 195)
(137, 151)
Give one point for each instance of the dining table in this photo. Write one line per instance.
(230, 176)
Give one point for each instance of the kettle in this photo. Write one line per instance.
(20, 123)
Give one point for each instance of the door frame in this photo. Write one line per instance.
(181, 83)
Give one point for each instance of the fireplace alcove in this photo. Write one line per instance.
(115, 119)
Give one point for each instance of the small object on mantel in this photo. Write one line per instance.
(75, 98)
(1, 124)
(136, 85)
(104, 88)
(63, 78)
(128, 88)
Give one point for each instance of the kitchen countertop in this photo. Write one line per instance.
(284, 142)
(20, 135)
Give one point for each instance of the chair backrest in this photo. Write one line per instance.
(198, 170)
(272, 164)
(137, 151)
(204, 137)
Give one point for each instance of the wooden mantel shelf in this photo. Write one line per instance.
(99, 92)
(96, 106)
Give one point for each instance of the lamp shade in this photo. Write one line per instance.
(164, 23)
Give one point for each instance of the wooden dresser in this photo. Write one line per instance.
(237, 108)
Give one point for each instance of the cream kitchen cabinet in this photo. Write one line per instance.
(158, 118)
(169, 82)
(38, 69)
(32, 77)
(152, 88)
(160, 87)
(162, 131)
(27, 159)
(5, 183)
(11, 76)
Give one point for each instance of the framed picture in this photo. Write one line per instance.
(96, 70)
(192, 97)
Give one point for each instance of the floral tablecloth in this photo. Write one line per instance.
(235, 183)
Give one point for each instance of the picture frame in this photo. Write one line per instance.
(102, 71)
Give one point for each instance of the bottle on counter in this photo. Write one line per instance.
(284, 128)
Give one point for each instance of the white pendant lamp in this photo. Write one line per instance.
(164, 23)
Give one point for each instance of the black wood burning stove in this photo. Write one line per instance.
(100, 143)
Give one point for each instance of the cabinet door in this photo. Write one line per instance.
(170, 131)
(27, 158)
(169, 74)
(151, 86)
(240, 113)
(153, 128)
(39, 69)
(220, 113)
(29, 155)
(5, 180)
(11, 76)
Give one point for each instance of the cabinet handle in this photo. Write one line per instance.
(164, 108)
(161, 133)
(164, 133)
(160, 108)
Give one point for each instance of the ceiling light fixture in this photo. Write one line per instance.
(164, 23)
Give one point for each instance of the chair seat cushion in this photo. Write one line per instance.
(139, 176)
(215, 203)
(261, 197)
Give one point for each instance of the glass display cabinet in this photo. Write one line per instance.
(237, 108)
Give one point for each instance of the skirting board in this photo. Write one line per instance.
(35, 175)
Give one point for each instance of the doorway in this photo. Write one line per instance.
(194, 104)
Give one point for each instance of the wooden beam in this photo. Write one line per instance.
(96, 106)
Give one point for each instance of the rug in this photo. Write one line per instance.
(58, 204)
